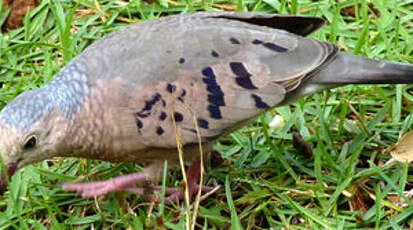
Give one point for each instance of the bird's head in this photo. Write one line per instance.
(29, 131)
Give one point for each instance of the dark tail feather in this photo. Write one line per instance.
(350, 69)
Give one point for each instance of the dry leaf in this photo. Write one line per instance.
(360, 201)
(403, 150)
(301, 146)
(394, 199)
(18, 9)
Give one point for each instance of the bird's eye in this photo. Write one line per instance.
(30, 143)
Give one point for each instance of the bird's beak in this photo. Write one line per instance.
(11, 169)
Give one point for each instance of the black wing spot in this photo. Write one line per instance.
(214, 111)
(170, 88)
(243, 78)
(259, 103)
(214, 53)
(181, 61)
(178, 117)
(211, 82)
(181, 97)
(214, 89)
(159, 130)
(257, 42)
(239, 69)
(217, 100)
(234, 41)
(163, 116)
(203, 123)
(215, 93)
(146, 111)
(209, 73)
(139, 123)
(275, 47)
(245, 82)
(270, 45)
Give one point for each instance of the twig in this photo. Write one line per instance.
(201, 179)
(182, 164)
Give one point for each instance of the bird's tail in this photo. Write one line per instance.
(350, 69)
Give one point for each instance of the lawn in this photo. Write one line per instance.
(338, 177)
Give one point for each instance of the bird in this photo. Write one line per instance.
(200, 75)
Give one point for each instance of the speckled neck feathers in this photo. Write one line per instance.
(65, 92)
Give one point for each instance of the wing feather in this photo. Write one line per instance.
(220, 69)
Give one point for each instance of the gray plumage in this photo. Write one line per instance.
(66, 91)
(116, 100)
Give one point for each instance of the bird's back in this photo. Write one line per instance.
(222, 69)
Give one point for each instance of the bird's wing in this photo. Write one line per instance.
(299, 25)
(224, 69)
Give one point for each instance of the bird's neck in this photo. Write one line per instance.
(69, 92)
(69, 89)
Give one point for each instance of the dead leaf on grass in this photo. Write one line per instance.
(18, 9)
(402, 151)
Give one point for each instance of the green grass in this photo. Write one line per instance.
(266, 181)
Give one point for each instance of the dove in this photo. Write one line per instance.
(127, 96)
